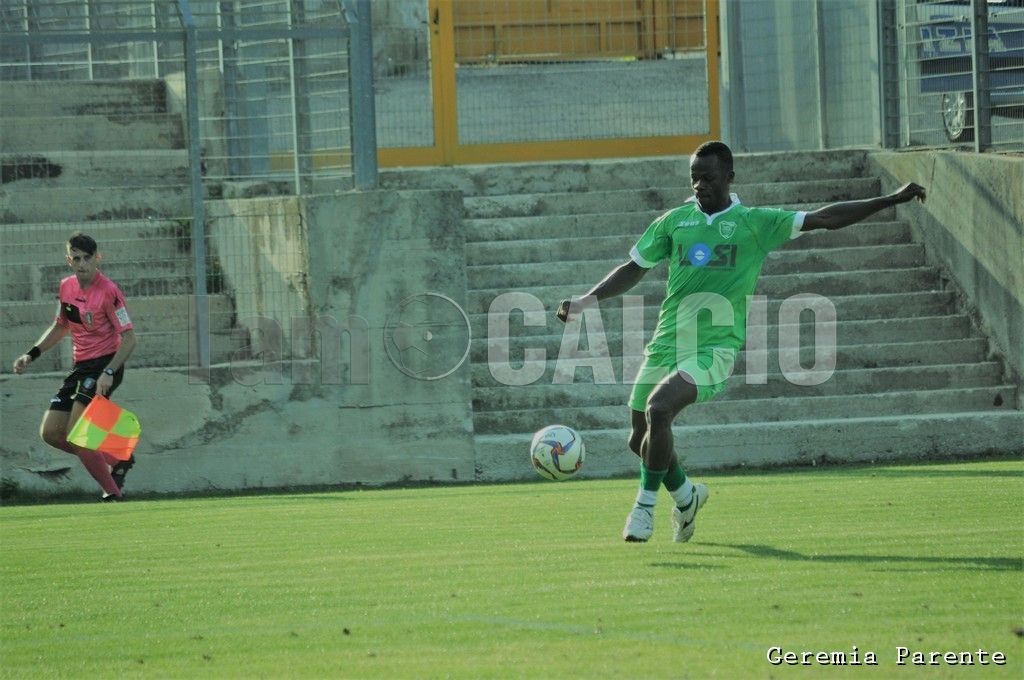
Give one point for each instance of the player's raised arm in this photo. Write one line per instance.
(617, 282)
(839, 215)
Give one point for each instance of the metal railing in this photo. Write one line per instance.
(958, 89)
(821, 74)
(228, 99)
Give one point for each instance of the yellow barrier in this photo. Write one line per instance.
(537, 80)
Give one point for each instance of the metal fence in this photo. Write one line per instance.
(273, 92)
(491, 81)
(124, 118)
(821, 74)
(958, 89)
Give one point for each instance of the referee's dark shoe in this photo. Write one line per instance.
(121, 469)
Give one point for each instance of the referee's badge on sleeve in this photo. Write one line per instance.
(122, 316)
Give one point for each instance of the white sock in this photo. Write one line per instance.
(683, 494)
(646, 498)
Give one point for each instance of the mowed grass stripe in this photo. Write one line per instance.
(528, 580)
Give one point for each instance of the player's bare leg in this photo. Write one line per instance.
(652, 434)
(639, 433)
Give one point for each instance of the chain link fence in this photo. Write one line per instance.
(98, 99)
(507, 80)
(958, 89)
(825, 74)
(96, 120)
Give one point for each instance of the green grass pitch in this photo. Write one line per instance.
(525, 581)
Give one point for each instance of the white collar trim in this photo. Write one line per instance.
(734, 201)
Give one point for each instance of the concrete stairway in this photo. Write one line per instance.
(913, 375)
(108, 159)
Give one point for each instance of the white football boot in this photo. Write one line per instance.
(684, 520)
(639, 524)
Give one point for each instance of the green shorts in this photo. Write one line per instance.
(709, 368)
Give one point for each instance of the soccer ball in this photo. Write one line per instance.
(557, 452)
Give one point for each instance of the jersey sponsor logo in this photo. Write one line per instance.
(688, 223)
(726, 229)
(722, 256)
(699, 255)
(122, 316)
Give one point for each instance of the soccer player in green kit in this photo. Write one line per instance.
(715, 247)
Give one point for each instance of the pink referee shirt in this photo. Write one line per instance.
(96, 315)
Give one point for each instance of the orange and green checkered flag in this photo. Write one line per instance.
(105, 426)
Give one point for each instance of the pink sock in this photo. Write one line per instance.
(98, 468)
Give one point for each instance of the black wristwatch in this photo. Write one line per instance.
(109, 371)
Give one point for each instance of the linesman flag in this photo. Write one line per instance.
(105, 426)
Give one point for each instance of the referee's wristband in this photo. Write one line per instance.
(34, 352)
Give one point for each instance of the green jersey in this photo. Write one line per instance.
(714, 262)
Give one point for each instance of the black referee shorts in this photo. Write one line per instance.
(80, 385)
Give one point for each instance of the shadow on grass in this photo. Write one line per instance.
(971, 563)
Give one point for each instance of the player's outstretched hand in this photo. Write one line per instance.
(909, 192)
(563, 310)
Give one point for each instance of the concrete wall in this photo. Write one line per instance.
(353, 416)
(973, 227)
(260, 247)
(774, 97)
(383, 394)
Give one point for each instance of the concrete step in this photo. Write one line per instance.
(724, 410)
(843, 357)
(34, 253)
(879, 439)
(915, 279)
(119, 240)
(868, 233)
(158, 313)
(553, 245)
(848, 308)
(123, 132)
(582, 262)
(579, 176)
(85, 204)
(163, 324)
(179, 348)
(852, 381)
(136, 278)
(35, 98)
(664, 198)
(156, 168)
(781, 262)
(631, 224)
(848, 332)
(154, 349)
